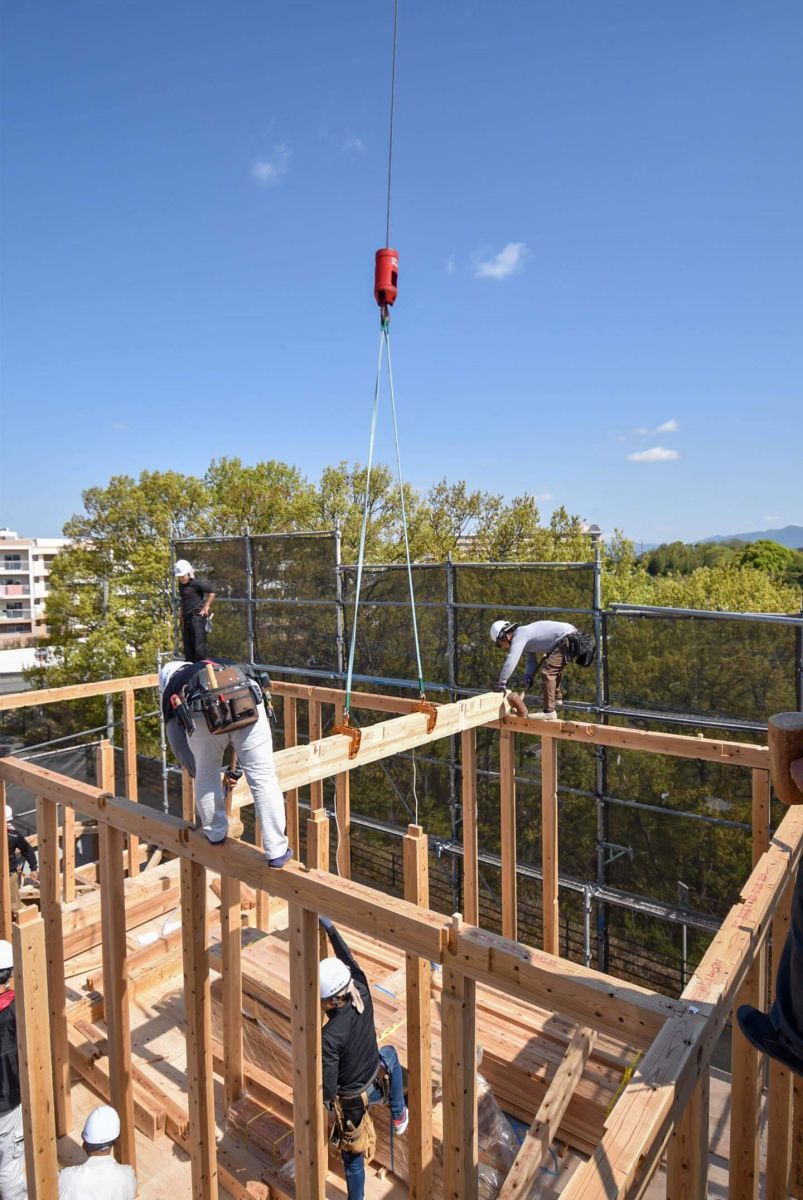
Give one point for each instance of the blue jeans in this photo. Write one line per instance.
(354, 1164)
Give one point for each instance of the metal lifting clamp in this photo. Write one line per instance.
(349, 731)
(427, 707)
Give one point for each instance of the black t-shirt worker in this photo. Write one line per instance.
(195, 600)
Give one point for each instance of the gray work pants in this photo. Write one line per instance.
(12, 1156)
(202, 755)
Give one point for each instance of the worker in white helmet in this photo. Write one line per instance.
(20, 851)
(12, 1151)
(356, 1073)
(100, 1177)
(195, 600)
(559, 643)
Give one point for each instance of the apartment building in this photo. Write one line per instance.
(24, 584)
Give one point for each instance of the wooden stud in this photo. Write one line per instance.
(187, 797)
(197, 1002)
(104, 766)
(131, 788)
(115, 986)
(232, 975)
(308, 1111)
(458, 1042)
(549, 844)
(68, 855)
(760, 781)
(5, 870)
(796, 1172)
(507, 799)
(419, 1050)
(315, 735)
(687, 1153)
(291, 796)
(779, 1100)
(318, 840)
(33, 1040)
(343, 811)
(50, 903)
(747, 1075)
(471, 879)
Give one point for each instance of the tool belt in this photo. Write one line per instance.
(225, 697)
(359, 1137)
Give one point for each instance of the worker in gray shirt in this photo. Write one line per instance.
(552, 639)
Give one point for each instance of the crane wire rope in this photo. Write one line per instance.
(392, 114)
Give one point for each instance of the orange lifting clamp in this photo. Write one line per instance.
(426, 706)
(349, 731)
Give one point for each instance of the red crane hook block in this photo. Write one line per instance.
(386, 277)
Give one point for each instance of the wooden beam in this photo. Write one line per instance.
(370, 700)
(747, 1081)
(549, 844)
(305, 1026)
(5, 870)
(507, 801)
(130, 787)
(75, 691)
(458, 1041)
(291, 795)
(315, 735)
(343, 810)
(468, 787)
(535, 1148)
(779, 1100)
(33, 1041)
(232, 975)
(88, 1047)
(760, 781)
(115, 986)
(197, 1003)
(47, 819)
(419, 1049)
(687, 1153)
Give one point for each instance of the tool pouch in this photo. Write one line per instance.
(227, 699)
(354, 1139)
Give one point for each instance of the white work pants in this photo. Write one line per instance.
(12, 1156)
(202, 755)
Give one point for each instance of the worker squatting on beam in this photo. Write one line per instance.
(99, 1177)
(195, 598)
(12, 1158)
(779, 1033)
(207, 707)
(20, 851)
(558, 641)
(356, 1073)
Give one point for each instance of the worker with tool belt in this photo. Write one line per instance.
(207, 707)
(356, 1073)
(12, 1150)
(558, 641)
(100, 1177)
(20, 851)
(195, 598)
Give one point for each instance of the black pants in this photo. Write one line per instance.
(787, 1011)
(193, 629)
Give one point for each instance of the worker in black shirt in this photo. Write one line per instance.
(356, 1073)
(12, 1161)
(16, 842)
(195, 598)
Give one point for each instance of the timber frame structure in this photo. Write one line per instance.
(662, 1105)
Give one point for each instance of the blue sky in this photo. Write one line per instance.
(597, 208)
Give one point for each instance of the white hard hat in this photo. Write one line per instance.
(6, 956)
(102, 1126)
(333, 975)
(497, 629)
(9, 813)
(182, 567)
(168, 671)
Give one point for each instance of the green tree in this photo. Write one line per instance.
(268, 497)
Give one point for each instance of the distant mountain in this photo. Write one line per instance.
(790, 535)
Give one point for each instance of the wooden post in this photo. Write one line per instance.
(761, 813)
(291, 797)
(419, 1050)
(33, 1040)
(5, 871)
(187, 797)
(315, 735)
(459, 1086)
(746, 1087)
(197, 1002)
(231, 947)
(47, 823)
(305, 1024)
(343, 811)
(471, 881)
(796, 1172)
(507, 797)
(785, 739)
(68, 854)
(115, 986)
(318, 840)
(131, 789)
(104, 766)
(549, 843)
(687, 1153)
(779, 1100)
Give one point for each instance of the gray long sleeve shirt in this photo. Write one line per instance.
(539, 637)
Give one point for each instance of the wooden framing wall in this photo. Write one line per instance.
(662, 1106)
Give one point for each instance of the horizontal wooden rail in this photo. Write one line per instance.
(76, 691)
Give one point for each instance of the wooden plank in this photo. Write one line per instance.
(419, 1048)
(747, 1079)
(458, 1039)
(130, 787)
(308, 1111)
(291, 795)
(50, 905)
(231, 948)
(468, 789)
(779, 1099)
(549, 844)
(507, 801)
(199, 1032)
(115, 986)
(687, 1153)
(343, 811)
(760, 781)
(5, 870)
(315, 735)
(75, 691)
(33, 1041)
(535, 1148)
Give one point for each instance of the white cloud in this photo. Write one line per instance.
(508, 261)
(451, 265)
(772, 517)
(353, 145)
(655, 454)
(268, 171)
(543, 496)
(641, 429)
(670, 426)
